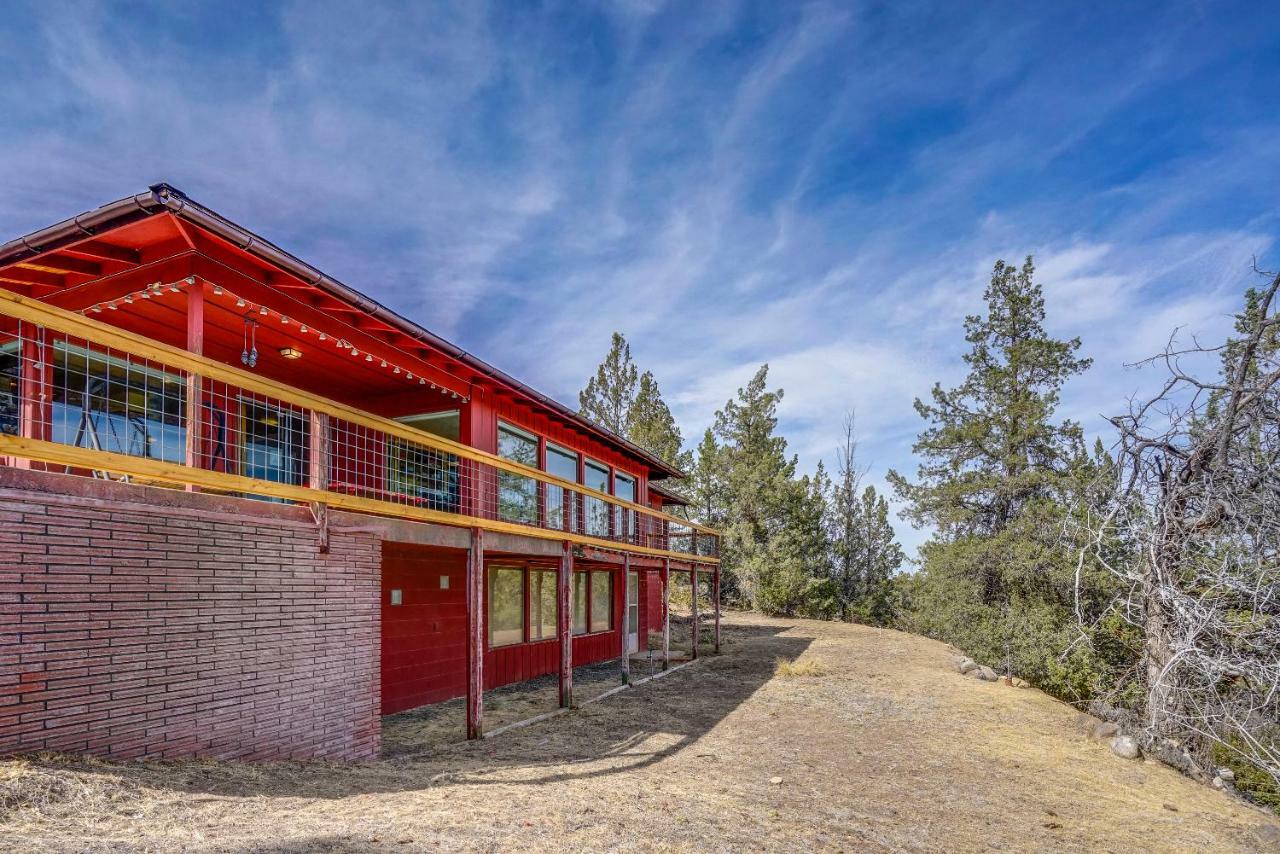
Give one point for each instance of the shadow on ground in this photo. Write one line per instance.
(629, 730)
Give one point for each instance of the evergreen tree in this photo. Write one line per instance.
(997, 481)
(651, 425)
(844, 519)
(610, 394)
(758, 488)
(879, 557)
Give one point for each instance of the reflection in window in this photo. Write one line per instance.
(274, 443)
(562, 505)
(542, 604)
(601, 601)
(9, 378)
(624, 487)
(517, 494)
(506, 606)
(596, 510)
(112, 404)
(425, 474)
(579, 603)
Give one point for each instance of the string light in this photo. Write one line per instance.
(157, 289)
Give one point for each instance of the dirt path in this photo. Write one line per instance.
(890, 750)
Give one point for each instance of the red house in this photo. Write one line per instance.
(245, 510)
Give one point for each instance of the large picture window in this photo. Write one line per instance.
(601, 601)
(274, 443)
(596, 477)
(542, 604)
(624, 487)
(517, 494)
(562, 506)
(113, 404)
(579, 603)
(506, 606)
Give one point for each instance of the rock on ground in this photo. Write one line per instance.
(1125, 746)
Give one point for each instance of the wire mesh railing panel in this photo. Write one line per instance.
(62, 390)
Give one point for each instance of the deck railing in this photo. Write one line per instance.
(84, 397)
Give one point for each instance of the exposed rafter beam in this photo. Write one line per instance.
(59, 264)
(98, 250)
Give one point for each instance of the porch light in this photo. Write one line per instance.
(290, 353)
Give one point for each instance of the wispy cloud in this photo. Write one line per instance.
(822, 186)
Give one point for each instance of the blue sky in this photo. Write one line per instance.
(823, 186)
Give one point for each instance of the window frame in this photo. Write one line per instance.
(542, 573)
(532, 514)
(490, 573)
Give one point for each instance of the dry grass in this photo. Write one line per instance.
(891, 750)
(807, 667)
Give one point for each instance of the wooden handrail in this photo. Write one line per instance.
(39, 313)
(56, 453)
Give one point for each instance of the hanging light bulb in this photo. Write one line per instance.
(304, 329)
(323, 337)
(284, 319)
(396, 370)
(368, 357)
(145, 294)
(384, 363)
(239, 302)
(262, 309)
(421, 381)
(111, 306)
(97, 309)
(217, 290)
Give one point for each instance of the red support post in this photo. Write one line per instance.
(626, 619)
(666, 613)
(35, 413)
(693, 590)
(195, 344)
(475, 635)
(564, 624)
(715, 584)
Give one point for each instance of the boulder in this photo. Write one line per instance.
(1125, 746)
(966, 665)
(986, 674)
(1103, 731)
(1227, 775)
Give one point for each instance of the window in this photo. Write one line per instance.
(274, 443)
(596, 510)
(542, 604)
(579, 603)
(423, 473)
(517, 494)
(601, 601)
(562, 505)
(506, 606)
(116, 405)
(624, 487)
(9, 377)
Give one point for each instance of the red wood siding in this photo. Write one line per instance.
(424, 639)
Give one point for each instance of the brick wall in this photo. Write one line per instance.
(145, 622)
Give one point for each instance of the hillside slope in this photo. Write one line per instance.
(888, 750)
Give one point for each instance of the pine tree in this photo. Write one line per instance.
(879, 557)
(758, 486)
(997, 480)
(992, 446)
(651, 425)
(611, 393)
(844, 521)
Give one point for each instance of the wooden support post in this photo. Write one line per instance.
(318, 472)
(564, 624)
(693, 590)
(626, 619)
(195, 394)
(715, 601)
(35, 407)
(666, 613)
(475, 635)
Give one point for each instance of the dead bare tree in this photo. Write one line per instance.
(1198, 509)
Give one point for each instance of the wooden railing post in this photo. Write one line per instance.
(693, 589)
(626, 619)
(195, 387)
(564, 624)
(666, 613)
(475, 635)
(715, 583)
(36, 406)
